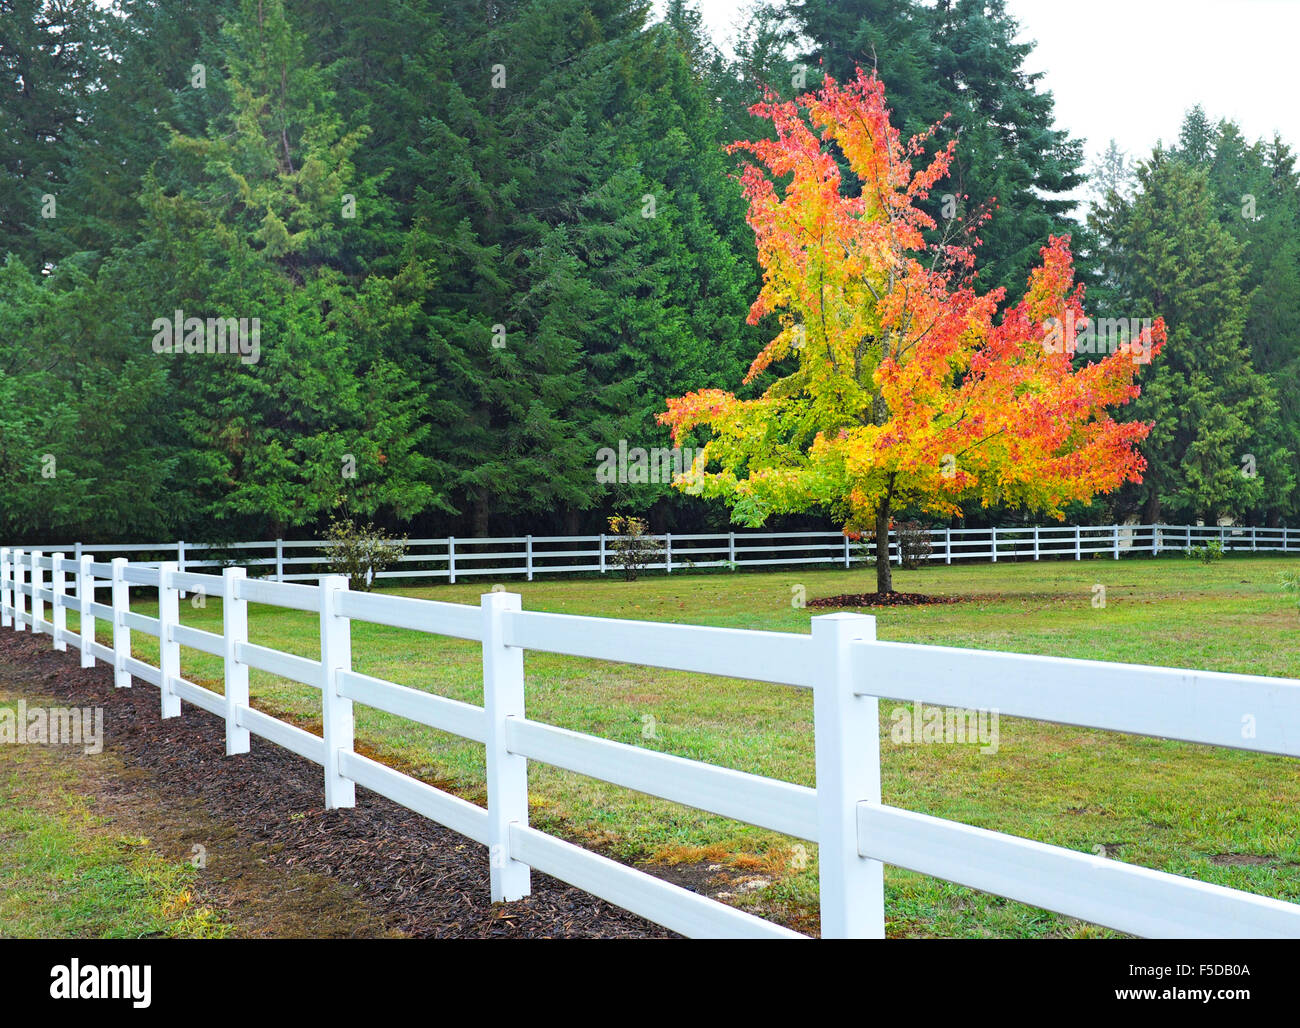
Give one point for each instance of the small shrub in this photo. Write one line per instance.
(633, 549)
(360, 552)
(1210, 553)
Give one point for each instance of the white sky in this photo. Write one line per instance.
(1130, 68)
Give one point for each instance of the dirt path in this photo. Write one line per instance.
(277, 863)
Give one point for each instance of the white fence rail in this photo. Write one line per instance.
(290, 560)
(844, 665)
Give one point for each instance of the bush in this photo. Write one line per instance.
(633, 548)
(1210, 553)
(360, 552)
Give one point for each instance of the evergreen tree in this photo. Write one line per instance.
(1206, 456)
(52, 59)
(165, 76)
(322, 419)
(1111, 171)
(1258, 201)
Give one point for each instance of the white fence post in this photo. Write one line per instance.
(180, 559)
(451, 560)
(1078, 543)
(507, 773)
(59, 610)
(336, 709)
(121, 633)
(947, 545)
(602, 553)
(20, 601)
(993, 542)
(169, 651)
(234, 631)
(668, 552)
(1035, 542)
(6, 590)
(1115, 531)
(1155, 540)
(731, 547)
(528, 556)
(279, 560)
(85, 597)
(38, 583)
(847, 557)
(847, 731)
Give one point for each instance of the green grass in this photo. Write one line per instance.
(65, 874)
(1173, 806)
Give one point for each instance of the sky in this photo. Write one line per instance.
(1129, 69)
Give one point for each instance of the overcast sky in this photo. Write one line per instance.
(1130, 68)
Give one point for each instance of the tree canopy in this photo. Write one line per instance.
(902, 390)
(482, 243)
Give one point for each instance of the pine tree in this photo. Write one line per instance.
(1172, 258)
(591, 231)
(52, 58)
(1258, 201)
(322, 419)
(1111, 171)
(165, 75)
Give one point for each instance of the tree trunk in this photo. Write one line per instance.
(884, 573)
(1152, 513)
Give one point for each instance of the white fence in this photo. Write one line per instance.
(841, 661)
(290, 560)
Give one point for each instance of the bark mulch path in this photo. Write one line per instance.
(881, 600)
(277, 862)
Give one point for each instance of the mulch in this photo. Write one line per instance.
(881, 600)
(420, 879)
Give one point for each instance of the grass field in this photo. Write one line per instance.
(1226, 817)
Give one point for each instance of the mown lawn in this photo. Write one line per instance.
(1226, 817)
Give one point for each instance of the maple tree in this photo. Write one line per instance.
(905, 388)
